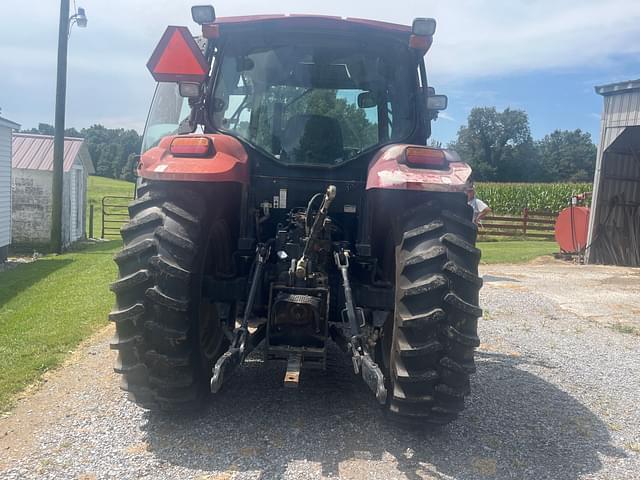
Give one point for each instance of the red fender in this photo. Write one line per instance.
(389, 171)
(228, 164)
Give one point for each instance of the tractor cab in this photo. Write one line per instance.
(300, 91)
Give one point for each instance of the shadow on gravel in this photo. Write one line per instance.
(517, 425)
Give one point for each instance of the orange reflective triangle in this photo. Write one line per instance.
(177, 57)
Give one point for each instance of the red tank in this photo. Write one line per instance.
(572, 227)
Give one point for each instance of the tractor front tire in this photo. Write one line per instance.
(167, 338)
(433, 335)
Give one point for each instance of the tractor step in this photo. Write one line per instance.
(292, 375)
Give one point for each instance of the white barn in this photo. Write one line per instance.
(32, 169)
(6, 131)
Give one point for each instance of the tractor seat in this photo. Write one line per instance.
(312, 139)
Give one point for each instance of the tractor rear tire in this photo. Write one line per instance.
(167, 338)
(434, 329)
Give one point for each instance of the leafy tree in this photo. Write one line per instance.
(112, 150)
(129, 170)
(357, 131)
(496, 144)
(567, 156)
(72, 132)
(43, 129)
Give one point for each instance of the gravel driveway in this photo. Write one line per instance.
(556, 396)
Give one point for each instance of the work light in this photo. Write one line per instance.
(424, 26)
(202, 14)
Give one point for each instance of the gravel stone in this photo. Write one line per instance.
(555, 397)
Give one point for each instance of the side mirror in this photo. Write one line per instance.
(189, 89)
(367, 100)
(437, 102)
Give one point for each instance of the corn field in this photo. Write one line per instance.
(511, 198)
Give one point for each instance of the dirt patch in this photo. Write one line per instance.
(604, 294)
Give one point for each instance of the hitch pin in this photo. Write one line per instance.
(292, 376)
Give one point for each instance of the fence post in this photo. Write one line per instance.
(91, 221)
(102, 218)
(525, 219)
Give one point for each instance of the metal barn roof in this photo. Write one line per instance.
(611, 88)
(35, 152)
(8, 123)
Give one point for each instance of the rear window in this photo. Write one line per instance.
(314, 104)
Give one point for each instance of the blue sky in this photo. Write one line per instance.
(542, 56)
(553, 99)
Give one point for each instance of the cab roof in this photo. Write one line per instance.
(317, 21)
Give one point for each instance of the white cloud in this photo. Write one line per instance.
(446, 116)
(522, 36)
(475, 38)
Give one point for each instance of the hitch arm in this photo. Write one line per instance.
(362, 361)
(241, 344)
(342, 262)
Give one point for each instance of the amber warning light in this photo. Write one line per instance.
(425, 157)
(191, 147)
(177, 58)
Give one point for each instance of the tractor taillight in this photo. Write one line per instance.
(421, 43)
(191, 147)
(210, 30)
(425, 157)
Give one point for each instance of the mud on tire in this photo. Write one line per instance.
(434, 331)
(157, 311)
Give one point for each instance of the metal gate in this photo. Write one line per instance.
(115, 213)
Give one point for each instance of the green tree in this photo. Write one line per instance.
(498, 145)
(357, 131)
(112, 150)
(567, 156)
(43, 129)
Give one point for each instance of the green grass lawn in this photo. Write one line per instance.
(516, 251)
(100, 187)
(47, 307)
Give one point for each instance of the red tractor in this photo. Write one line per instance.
(287, 199)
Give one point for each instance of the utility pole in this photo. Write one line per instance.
(58, 139)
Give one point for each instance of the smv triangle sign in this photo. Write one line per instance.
(177, 58)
